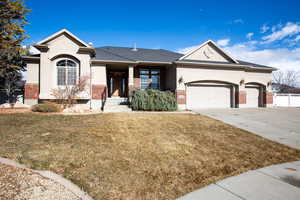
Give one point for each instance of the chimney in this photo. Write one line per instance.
(134, 47)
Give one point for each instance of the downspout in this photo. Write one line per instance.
(90, 85)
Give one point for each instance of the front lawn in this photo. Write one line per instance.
(136, 156)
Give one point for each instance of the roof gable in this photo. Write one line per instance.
(67, 34)
(208, 51)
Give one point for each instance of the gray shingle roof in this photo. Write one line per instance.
(153, 55)
(128, 54)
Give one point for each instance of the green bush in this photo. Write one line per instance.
(153, 100)
(46, 107)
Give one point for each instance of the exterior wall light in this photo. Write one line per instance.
(242, 82)
(180, 80)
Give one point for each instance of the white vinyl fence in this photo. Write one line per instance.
(286, 100)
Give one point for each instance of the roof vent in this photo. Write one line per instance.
(134, 47)
(91, 44)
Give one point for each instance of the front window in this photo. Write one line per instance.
(150, 78)
(66, 72)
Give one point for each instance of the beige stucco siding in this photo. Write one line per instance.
(62, 45)
(32, 73)
(189, 74)
(98, 74)
(206, 53)
(259, 77)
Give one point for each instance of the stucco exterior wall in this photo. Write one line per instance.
(32, 73)
(191, 73)
(186, 74)
(98, 74)
(62, 45)
(99, 86)
(207, 53)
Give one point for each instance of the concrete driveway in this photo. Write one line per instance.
(278, 124)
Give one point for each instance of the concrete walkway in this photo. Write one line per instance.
(277, 182)
(281, 125)
(52, 176)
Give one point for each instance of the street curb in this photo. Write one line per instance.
(52, 176)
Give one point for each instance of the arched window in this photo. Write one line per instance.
(66, 72)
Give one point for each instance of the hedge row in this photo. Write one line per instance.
(153, 100)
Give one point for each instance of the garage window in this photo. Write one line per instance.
(150, 78)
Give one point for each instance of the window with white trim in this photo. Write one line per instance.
(66, 72)
(150, 78)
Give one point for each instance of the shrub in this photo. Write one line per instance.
(46, 107)
(153, 100)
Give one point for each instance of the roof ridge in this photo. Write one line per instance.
(140, 48)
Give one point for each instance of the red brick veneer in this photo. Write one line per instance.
(242, 97)
(181, 96)
(269, 98)
(98, 91)
(31, 91)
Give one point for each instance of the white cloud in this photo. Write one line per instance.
(289, 29)
(261, 51)
(249, 36)
(297, 38)
(223, 42)
(264, 28)
(238, 21)
(281, 58)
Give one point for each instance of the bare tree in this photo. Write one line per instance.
(68, 95)
(284, 80)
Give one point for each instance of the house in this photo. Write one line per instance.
(206, 77)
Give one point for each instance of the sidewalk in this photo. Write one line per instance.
(277, 182)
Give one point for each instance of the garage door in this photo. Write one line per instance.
(252, 100)
(208, 97)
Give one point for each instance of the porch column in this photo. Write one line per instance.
(242, 96)
(98, 86)
(268, 96)
(130, 78)
(32, 84)
(180, 90)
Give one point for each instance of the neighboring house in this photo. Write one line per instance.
(206, 77)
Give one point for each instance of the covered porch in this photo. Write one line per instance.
(121, 79)
(112, 82)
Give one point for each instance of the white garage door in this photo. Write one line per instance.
(252, 100)
(208, 97)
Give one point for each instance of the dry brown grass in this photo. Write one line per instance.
(136, 156)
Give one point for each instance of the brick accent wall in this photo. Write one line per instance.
(269, 98)
(31, 91)
(99, 91)
(181, 96)
(242, 97)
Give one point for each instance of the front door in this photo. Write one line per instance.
(118, 84)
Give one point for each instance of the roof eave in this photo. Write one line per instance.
(237, 66)
(31, 59)
(98, 61)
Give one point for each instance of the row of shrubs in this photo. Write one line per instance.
(153, 100)
(145, 100)
(47, 107)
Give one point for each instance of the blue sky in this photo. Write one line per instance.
(260, 31)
